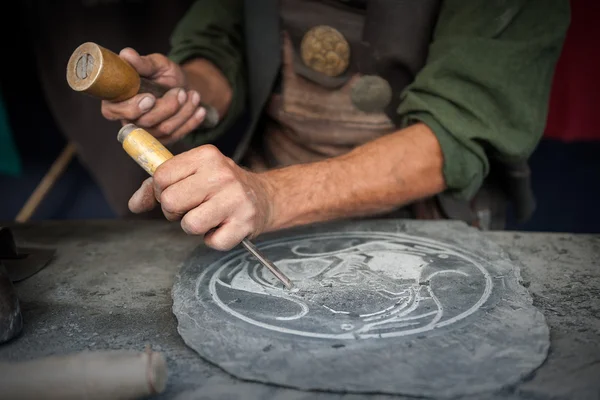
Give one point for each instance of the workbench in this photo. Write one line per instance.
(109, 287)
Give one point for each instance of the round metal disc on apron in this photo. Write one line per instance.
(325, 50)
(371, 93)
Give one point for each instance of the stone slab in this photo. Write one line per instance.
(392, 307)
(109, 287)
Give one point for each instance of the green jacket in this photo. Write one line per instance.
(484, 90)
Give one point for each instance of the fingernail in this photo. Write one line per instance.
(146, 103)
(181, 97)
(200, 113)
(195, 99)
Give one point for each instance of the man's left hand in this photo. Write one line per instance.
(210, 194)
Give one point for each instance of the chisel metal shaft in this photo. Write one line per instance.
(266, 263)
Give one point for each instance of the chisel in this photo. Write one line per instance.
(149, 153)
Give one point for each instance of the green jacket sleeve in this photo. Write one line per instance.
(213, 29)
(485, 88)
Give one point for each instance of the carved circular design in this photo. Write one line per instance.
(325, 50)
(348, 286)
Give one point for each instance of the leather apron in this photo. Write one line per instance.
(312, 117)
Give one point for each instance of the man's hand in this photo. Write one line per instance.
(210, 194)
(168, 118)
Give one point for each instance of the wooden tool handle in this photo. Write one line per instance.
(87, 375)
(147, 86)
(47, 182)
(148, 152)
(101, 73)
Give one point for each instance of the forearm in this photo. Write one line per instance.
(377, 177)
(208, 43)
(214, 88)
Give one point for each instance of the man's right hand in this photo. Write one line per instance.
(168, 118)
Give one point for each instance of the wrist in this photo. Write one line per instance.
(204, 77)
(292, 195)
(269, 188)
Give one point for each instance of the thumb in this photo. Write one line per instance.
(147, 66)
(143, 199)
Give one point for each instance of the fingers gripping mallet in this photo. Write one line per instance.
(100, 73)
(149, 153)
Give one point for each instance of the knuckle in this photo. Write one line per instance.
(226, 176)
(192, 225)
(172, 106)
(130, 114)
(209, 151)
(170, 216)
(169, 201)
(251, 213)
(220, 242)
(247, 214)
(106, 113)
(239, 190)
(157, 60)
(161, 178)
(164, 129)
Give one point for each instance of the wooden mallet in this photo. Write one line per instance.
(100, 73)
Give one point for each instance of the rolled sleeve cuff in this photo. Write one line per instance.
(462, 169)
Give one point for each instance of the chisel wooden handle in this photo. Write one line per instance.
(97, 71)
(144, 148)
(98, 375)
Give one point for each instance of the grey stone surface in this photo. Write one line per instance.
(109, 287)
(399, 307)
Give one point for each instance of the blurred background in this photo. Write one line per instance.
(38, 111)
